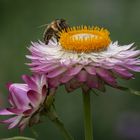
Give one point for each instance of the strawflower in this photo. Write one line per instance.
(84, 57)
(27, 102)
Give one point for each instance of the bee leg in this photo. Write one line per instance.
(48, 35)
(57, 37)
(64, 26)
(47, 38)
(61, 26)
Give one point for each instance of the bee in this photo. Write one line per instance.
(53, 29)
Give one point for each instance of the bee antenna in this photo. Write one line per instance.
(42, 25)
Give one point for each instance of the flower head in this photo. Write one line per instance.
(84, 56)
(26, 102)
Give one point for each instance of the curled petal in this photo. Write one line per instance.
(91, 70)
(17, 94)
(56, 72)
(30, 82)
(74, 70)
(9, 120)
(107, 76)
(5, 112)
(82, 76)
(14, 123)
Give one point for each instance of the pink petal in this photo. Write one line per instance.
(5, 112)
(10, 120)
(82, 76)
(44, 91)
(28, 112)
(34, 97)
(29, 82)
(74, 70)
(53, 83)
(45, 68)
(91, 70)
(56, 72)
(51, 68)
(133, 67)
(107, 76)
(13, 124)
(8, 84)
(18, 95)
(123, 73)
(65, 78)
(15, 110)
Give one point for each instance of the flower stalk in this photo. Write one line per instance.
(87, 116)
(53, 117)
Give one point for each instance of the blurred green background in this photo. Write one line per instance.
(116, 115)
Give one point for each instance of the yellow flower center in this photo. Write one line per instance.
(85, 39)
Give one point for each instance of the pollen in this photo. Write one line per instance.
(84, 39)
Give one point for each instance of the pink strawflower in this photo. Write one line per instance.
(84, 57)
(26, 101)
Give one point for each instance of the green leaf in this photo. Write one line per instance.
(18, 138)
(130, 90)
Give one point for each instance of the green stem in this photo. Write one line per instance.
(87, 116)
(58, 123)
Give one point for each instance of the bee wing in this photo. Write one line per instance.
(43, 25)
